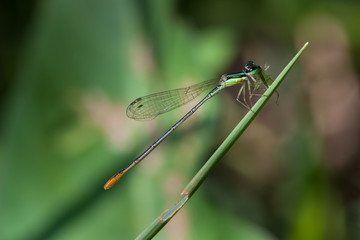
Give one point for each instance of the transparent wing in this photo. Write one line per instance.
(150, 106)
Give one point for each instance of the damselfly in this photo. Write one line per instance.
(146, 108)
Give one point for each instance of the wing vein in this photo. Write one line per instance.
(150, 106)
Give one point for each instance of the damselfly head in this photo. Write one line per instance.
(251, 66)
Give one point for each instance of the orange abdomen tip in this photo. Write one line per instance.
(113, 180)
(109, 183)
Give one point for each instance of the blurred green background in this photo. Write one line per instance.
(70, 68)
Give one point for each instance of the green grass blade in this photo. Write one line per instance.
(195, 183)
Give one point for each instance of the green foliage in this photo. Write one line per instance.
(69, 69)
